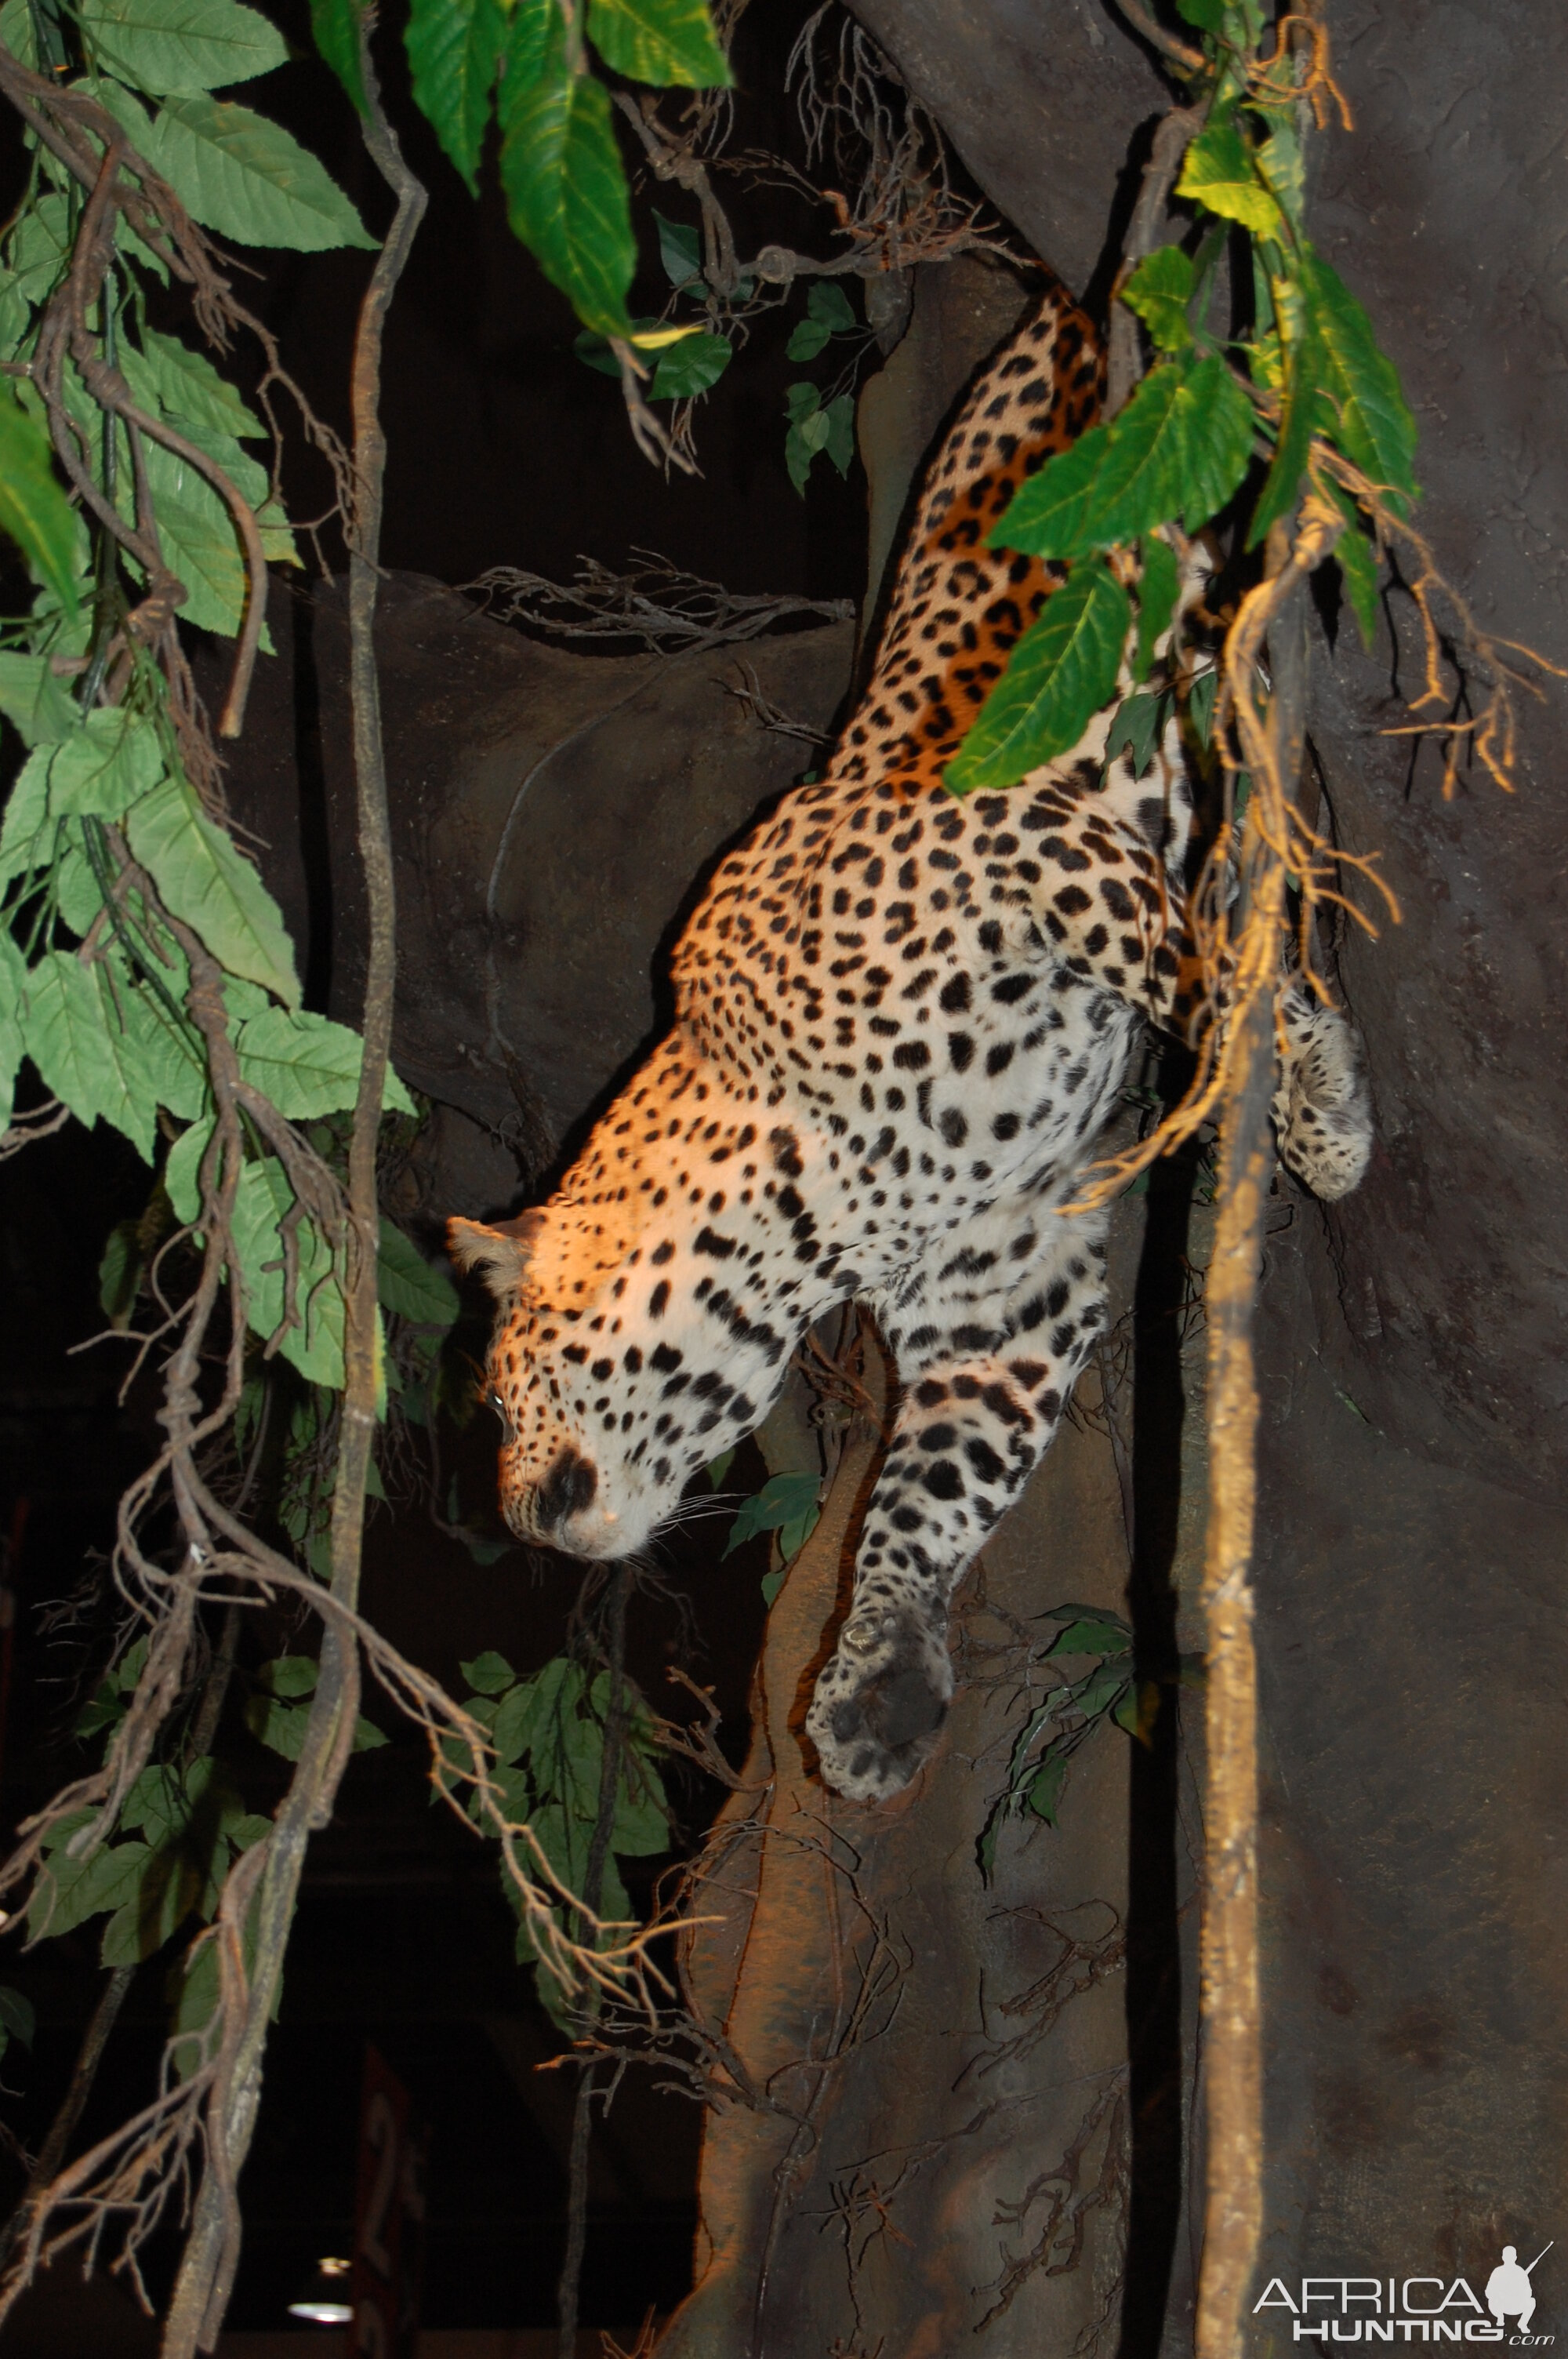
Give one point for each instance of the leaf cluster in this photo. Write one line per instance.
(787, 1503)
(1214, 424)
(1110, 1690)
(527, 68)
(548, 1732)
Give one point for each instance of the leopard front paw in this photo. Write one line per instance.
(880, 1700)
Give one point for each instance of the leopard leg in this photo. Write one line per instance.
(989, 1337)
(1323, 1109)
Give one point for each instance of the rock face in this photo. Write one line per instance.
(552, 813)
(1413, 1509)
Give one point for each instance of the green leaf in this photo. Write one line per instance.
(827, 303)
(17, 2015)
(335, 29)
(642, 1825)
(1139, 1710)
(34, 702)
(1217, 428)
(807, 338)
(1159, 290)
(1107, 1637)
(103, 767)
(409, 1286)
(1208, 15)
(307, 1065)
(1376, 430)
(489, 1674)
(1063, 671)
(804, 439)
(17, 32)
(64, 1033)
(289, 1675)
(119, 1275)
(200, 541)
(1360, 571)
(1219, 172)
(128, 1101)
(793, 1535)
(1157, 589)
(1281, 166)
(660, 41)
(1044, 1794)
(34, 510)
(1104, 1690)
(172, 1055)
(534, 24)
(205, 882)
(840, 444)
(179, 45)
(246, 177)
(13, 1047)
(690, 366)
(680, 250)
(516, 1722)
(367, 1736)
(279, 1726)
(718, 1467)
(1298, 421)
(1180, 447)
(772, 1583)
(783, 1499)
(566, 189)
(1050, 514)
(127, 1671)
(1136, 726)
(316, 1346)
(71, 1890)
(189, 389)
(156, 1803)
(454, 51)
(182, 1172)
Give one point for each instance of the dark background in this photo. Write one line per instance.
(504, 449)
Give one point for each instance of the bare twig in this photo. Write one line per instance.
(609, 1768)
(651, 602)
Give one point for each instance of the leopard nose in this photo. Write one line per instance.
(568, 1488)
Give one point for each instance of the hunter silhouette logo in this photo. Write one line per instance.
(1509, 2293)
(1412, 2310)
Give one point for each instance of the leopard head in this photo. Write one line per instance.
(617, 1370)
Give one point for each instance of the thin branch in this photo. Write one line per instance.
(609, 1768)
(212, 2253)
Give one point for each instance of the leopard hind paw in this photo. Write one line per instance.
(1323, 1108)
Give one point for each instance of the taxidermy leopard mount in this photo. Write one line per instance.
(902, 1023)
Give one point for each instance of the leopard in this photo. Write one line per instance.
(901, 1024)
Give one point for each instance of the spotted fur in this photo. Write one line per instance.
(901, 1022)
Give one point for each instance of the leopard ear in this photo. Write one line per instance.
(501, 1254)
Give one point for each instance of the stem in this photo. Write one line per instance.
(593, 1879)
(51, 2154)
(1232, 2044)
(212, 2253)
(1172, 139)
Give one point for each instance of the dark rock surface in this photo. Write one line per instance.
(1410, 1629)
(552, 813)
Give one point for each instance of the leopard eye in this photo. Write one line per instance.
(494, 1401)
